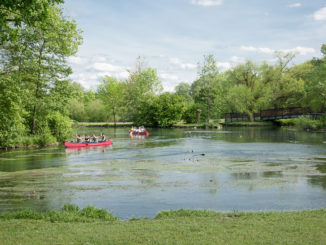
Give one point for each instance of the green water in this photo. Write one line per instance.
(245, 169)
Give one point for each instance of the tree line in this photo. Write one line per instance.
(246, 88)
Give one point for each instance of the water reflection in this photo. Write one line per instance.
(229, 169)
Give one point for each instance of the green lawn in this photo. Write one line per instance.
(174, 227)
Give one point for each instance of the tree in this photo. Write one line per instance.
(36, 38)
(15, 14)
(142, 84)
(315, 86)
(111, 91)
(183, 89)
(163, 110)
(286, 83)
(247, 93)
(206, 90)
(38, 54)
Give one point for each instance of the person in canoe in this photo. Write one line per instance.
(103, 138)
(87, 139)
(94, 138)
(78, 139)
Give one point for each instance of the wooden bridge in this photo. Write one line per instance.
(273, 114)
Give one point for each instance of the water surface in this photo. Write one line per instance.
(245, 169)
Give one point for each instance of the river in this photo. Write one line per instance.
(232, 169)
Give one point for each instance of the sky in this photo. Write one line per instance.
(173, 36)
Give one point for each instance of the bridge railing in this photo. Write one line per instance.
(273, 114)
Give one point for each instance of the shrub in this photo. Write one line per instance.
(305, 122)
(59, 125)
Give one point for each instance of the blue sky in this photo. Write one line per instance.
(174, 35)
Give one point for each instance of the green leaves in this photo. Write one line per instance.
(36, 38)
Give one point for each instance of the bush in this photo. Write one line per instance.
(59, 125)
(305, 122)
(190, 113)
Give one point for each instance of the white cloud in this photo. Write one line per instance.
(99, 59)
(298, 50)
(183, 66)
(320, 14)
(106, 67)
(207, 3)
(223, 65)
(295, 5)
(77, 60)
(236, 59)
(123, 75)
(169, 76)
(259, 50)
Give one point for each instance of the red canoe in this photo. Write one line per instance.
(72, 144)
(140, 133)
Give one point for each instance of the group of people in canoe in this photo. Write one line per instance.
(92, 139)
(138, 131)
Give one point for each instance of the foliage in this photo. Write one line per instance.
(163, 110)
(59, 125)
(304, 122)
(11, 123)
(111, 91)
(248, 93)
(96, 111)
(142, 84)
(183, 89)
(190, 113)
(36, 38)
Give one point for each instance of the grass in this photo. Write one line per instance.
(303, 123)
(197, 125)
(103, 124)
(171, 227)
(249, 124)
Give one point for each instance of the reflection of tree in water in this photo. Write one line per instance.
(318, 181)
(31, 159)
(244, 176)
(263, 134)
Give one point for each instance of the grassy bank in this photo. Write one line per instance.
(102, 124)
(248, 124)
(172, 227)
(197, 125)
(304, 123)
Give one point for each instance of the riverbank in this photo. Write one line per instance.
(179, 125)
(248, 124)
(103, 124)
(170, 227)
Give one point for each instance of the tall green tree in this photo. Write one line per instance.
(112, 91)
(36, 39)
(286, 83)
(183, 89)
(141, 85)
(315, 86)
(163, 110)
(247, 93)
(206, 89)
